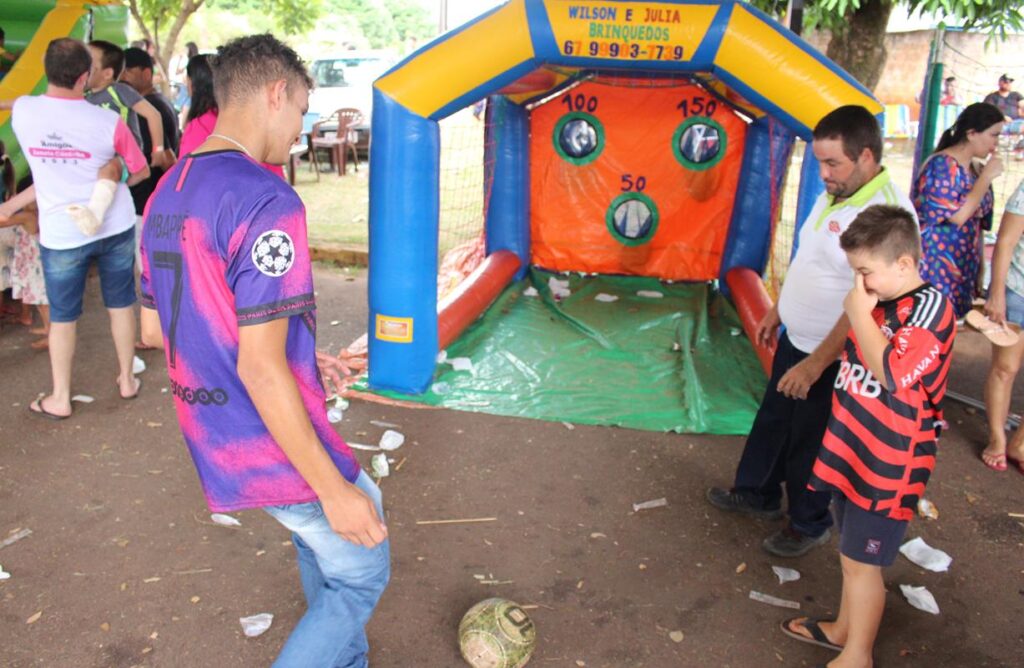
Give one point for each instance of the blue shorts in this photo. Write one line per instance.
(65, 272)
(864, 536)
(1014, 308)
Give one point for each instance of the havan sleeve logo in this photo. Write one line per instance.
(273, 253)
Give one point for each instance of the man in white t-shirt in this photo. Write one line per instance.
(66, 141)
(790, 423)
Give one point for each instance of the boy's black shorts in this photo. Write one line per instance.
(864, 536)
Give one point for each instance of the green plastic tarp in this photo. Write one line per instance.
(674, 362)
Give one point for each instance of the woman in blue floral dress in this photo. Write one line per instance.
(952, 199)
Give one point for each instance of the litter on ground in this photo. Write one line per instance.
(920, 598)
(648, 505)
(773, 600)
(785, 574)
(256, 624)
(926, 556)
(225, 520)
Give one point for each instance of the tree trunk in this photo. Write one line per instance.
(860, 47)
(165, 48)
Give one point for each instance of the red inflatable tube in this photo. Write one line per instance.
(465, 304)
(752, 305)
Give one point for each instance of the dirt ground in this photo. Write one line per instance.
(127, 569)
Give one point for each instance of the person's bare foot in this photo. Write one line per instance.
(1015, 456)
(40, 344)
(129, 390)
(40, 331)
(994, 456)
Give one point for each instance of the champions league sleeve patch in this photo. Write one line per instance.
(273, 253)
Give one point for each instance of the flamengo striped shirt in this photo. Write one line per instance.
(879, 448)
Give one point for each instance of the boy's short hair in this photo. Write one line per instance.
(856, 127)
(246, 64)
(884, 230)
(66, 60)
(112, 56)
(136, 57)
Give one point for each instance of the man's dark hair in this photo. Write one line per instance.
(112, 56)
(246, 64)
(3, 35)
(856, 127)
(883, 230)
(136, 57)
(65, 61)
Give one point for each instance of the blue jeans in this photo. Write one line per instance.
(342, 582)
(65, 273)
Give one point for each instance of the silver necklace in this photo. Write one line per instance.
(233, 141)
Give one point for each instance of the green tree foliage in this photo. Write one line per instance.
(161, 21)
(412, 21)
(381, 23)
(858, 26)
(373, 18)
(994, 16)
(385, 23)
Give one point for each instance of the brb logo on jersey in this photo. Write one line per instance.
(273, 253)
(856, 379)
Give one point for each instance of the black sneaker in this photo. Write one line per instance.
(791, 543)
(736, 502)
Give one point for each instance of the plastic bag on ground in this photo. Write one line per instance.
(391, 440)
(920, 598)
(926, 556)
(256, 624)
(225, 520)
(786, 574)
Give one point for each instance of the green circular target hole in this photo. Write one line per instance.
(579, 137)
(699, 143)
(632, 218)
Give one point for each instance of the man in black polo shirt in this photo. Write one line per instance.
(138, 73)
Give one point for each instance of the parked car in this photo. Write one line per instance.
(346, 81)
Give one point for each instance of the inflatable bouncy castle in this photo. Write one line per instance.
(635, 156)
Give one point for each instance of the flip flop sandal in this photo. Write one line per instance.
(42, 412)
(999, 335)
(818, 636)
(998, 462)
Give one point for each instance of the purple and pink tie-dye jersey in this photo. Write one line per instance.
(224, 246)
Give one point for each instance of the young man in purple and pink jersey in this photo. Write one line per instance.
(228, 292)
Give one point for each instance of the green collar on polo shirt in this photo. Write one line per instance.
(859, 199)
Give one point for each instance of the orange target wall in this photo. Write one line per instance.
(638, 126)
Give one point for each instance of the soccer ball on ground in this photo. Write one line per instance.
(496, 633)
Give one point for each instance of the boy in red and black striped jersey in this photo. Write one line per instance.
(879, 448)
